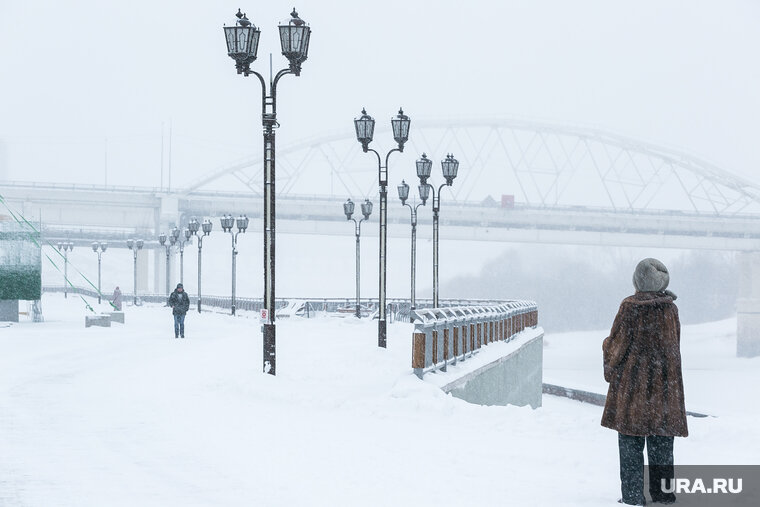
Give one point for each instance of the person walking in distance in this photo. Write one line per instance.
(645, 401)
(116, 299)
(180, 304)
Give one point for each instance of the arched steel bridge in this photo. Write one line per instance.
(542, 164)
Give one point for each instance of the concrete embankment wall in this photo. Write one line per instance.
(514, 378)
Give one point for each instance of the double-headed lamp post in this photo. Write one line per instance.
(65, 246)
(162, 240)
(348, 209)
(449, 166)
(181, 237)
(135, 245)
(228, 222)
(403, 194)
(99, 248)
(193, 226)
(242, 45)
(365, 130)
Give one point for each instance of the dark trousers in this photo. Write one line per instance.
(660, 454)
(179, 325)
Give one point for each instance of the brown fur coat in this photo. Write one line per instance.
(642, 363)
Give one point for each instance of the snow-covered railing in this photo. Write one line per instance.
(443, 336)
(399, 309)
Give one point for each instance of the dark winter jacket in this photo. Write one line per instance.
(180, 302)
(642, 363)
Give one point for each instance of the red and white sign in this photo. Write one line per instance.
(265, 315)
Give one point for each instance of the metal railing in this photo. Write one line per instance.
(397, 308)
(443, 336)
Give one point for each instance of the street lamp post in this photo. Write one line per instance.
(99, 248)
(135, 245)
(206, 227)
(228, 222)
(449, 166)
(242, 45)
(65, 246)
(403, 194)
(365, 130)
(348, 209)
(181, 237)
(162, 239)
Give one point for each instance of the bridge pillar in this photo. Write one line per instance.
(748, 306)
(159, 267)
(156, 260)
(142, 273)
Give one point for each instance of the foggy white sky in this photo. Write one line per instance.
(680, 73)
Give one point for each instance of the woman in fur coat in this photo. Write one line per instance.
(645, 400)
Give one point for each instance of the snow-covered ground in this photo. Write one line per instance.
(127, 416)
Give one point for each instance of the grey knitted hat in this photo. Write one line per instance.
(651, 275)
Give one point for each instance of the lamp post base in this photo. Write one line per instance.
(269, 349)
(381, 333)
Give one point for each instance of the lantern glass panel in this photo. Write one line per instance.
(348, 208)
(400, 124)
(305, 46)
(130, 243)
(104, 245)
(294, 41)
(231, 39)
(424, 167)
(424, 192)
(139, 243)
(367, 208)
(365, 128)
(449, 166)
(242, 42)
(95, 246)
(207, 226)
(403, 191)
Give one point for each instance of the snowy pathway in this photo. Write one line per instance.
(128, 415)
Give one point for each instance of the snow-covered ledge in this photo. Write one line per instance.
(502, 373)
